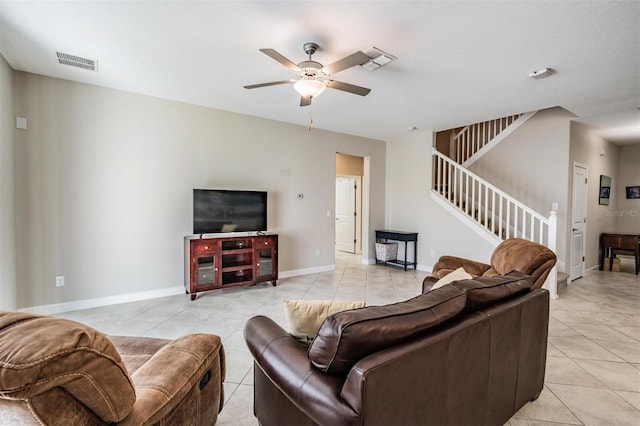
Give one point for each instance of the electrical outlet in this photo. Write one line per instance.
(60, 281)
(318, 252)
(433, 253)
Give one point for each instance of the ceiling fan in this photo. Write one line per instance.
(313, 77)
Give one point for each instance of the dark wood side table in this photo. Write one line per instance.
(611, 244)
(383, 235)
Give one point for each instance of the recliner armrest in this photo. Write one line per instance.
(191, 363)
(448, 264)
(427, 283)
(284, 361)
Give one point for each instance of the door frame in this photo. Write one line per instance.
(584, 235)
(358, 220)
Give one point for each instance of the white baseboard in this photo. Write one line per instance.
(424, 268)
(76, 305)
(306, 271)
(418, 268)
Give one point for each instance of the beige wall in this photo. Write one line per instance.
(105, 181)
(443, 141)
(628, 214)
(622, 164)
(410, 207)
(349, 165)
(585, 150)
(532, 165)
(7, 190)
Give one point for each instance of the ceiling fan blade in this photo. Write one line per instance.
(352, 60)
(272, 83)
(346, 87)
(278, 57)
(304, 101)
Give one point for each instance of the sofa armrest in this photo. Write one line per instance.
(184, 374)
(284, 361)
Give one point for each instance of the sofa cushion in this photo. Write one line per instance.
(41, 353)
(346, 337)
(455, 275)
(304, 317)
(484, 291)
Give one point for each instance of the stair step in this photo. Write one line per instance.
(562, 279)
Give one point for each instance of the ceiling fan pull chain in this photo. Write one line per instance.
(310, 117)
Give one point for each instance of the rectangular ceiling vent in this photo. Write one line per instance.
(77, 61)
(377, 58)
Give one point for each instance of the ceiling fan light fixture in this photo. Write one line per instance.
(309, 88)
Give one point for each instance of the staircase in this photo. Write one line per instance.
(487, 210)
(474, 140)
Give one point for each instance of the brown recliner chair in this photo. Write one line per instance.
(55, 371)
(513, 254)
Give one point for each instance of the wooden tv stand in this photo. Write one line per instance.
(212, 263)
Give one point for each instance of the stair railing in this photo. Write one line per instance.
(491, 208)
(474, 137)
(500, 215)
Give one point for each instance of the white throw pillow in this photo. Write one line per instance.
(457, 275)
(304, 317)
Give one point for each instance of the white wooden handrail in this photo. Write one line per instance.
(474, 137)
(477, 197)
(491, 208)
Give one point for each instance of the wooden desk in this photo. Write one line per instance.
(611, 244)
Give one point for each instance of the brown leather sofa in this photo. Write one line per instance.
(513, 254)
(59, 372)
(472, 352)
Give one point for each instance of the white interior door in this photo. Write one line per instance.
(578, 221)
(346, 214)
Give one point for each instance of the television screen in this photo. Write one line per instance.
(219, 210)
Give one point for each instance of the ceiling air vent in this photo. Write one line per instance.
(377, 58)
(77, 61)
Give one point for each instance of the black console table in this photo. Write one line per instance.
(383, 235)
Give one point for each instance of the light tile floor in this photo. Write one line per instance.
(593, 364)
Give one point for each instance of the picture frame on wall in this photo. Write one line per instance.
(633, 192)
(605, 190)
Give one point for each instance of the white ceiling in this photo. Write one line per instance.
(458, 62)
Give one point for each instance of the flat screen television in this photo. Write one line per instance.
(221, 210)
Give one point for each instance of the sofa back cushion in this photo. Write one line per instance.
(484, 291)
(346, 337)
(38, 354)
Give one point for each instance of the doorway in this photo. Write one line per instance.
(348, 211)
(578, 220)
(348, 203)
